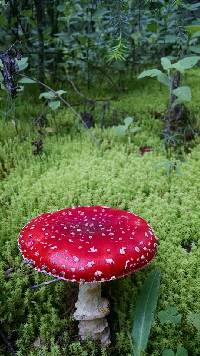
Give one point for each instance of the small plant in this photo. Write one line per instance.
(177, 117)
(171, 316)
(127, 129)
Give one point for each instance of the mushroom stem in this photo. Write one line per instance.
(91, 310)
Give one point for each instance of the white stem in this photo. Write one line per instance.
(91, 310)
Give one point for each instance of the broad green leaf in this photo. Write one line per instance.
(181, 351)
(194, 319)
(128, 121)
(183, 93)
(152, 27)
(166, 63)
(144, 311)
(54, 105)
(197, 33)
(26, 80)
(186, 63)
(169, 315)
(170, 39)
(150, 73)
(61, 8)
(47, 95)
(60, 92)
(163, 78)
(135, 129)
(120, 130)
(22, 63)
(195, 49)
(191, 29)
(168, 352)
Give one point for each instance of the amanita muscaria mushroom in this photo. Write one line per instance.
(89, 245)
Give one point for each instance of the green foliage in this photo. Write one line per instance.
(170, 315)
(181, 351)
(183, 93)
(78, 38)
(126, 129)
(117, 52)
(144, 312)
(186, 63)
(194, 319)
(51, 96)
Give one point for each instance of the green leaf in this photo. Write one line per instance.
(150, 73)
(166, 63)
(134, 130)
(26, 80)
(168, 352)
(191, 29)
(47, 95)
(54, 105)
(195, 49)
(60, 92)
(61, 8)
(22, 63)
(183, 93)
(163, 78)
(120, 130)
(194, 319)
(170, 39)
(181, 351)
(152, 27)
(144, 311)
(169, 315)
(186, 63)
(128, 121)
(197, 33)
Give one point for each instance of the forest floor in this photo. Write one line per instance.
(73, 170)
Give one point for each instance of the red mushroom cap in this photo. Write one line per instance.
(88, 244)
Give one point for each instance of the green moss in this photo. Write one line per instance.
(74, 171)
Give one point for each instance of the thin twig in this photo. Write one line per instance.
(66, 104)
(46, 283)
(83, 96)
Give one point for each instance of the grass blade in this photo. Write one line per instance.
(144, 312)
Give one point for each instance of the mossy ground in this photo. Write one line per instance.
(72, 171)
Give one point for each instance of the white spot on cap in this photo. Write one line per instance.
(109, 261)
(137, 249)
(72, 269)
(122, 251)
(76, 259)
(90, 264)
(92, 249)
(98, 273)
(126, 264)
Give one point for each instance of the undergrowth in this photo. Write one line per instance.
(73, 171)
